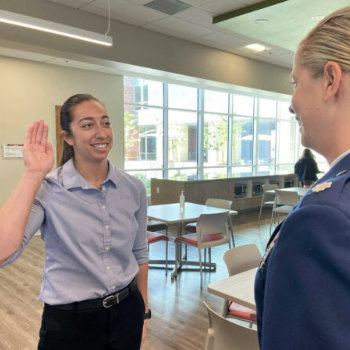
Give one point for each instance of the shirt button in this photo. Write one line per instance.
(107, 227)
(108, 267)
(107, 248)
(103, 207)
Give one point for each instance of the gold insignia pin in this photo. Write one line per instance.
(322, 187)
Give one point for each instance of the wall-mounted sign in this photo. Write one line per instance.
(12, 150)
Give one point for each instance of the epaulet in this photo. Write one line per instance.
(330, 188)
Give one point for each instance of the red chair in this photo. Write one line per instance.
(237, 260)
(212, 230)
(218, 203)
(153, 237)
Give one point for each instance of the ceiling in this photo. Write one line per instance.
(281, 28)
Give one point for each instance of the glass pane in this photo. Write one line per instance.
(141, 91)
(145, 177)
(215, 139)
(285, 169)
(183, 97)
(215, 173)
(266, 141)
(182, 139)
(242, 141)
(267, 108)
(286, 142)
(215, 101)
(266, 170)
(143, 138)
(243, 105)
(182, 174)
(283, 110)
(241, 171)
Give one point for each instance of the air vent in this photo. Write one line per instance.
(170, 7)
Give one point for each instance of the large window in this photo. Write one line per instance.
(185, 132)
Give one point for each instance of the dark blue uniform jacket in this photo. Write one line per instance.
(303, 291)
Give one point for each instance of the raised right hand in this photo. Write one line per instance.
(38, 154)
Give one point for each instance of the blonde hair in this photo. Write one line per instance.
(328, 41)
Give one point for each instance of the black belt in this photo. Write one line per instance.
(100, 303)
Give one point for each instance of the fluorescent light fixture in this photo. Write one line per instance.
(256, 47)
(54, 28)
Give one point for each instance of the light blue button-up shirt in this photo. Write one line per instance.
(94, 239)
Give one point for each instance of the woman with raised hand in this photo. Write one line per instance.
(302, 288)
(92, 218)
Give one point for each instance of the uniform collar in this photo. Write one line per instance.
(341, 164)
(71, 178)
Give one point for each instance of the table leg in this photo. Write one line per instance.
(178, 264)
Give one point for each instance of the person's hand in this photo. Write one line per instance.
(37, 153)
(144, 332)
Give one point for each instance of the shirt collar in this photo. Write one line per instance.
(71, 178)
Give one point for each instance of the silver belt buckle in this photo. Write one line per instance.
(110, 301)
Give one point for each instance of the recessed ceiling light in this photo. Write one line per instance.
(317, 18)
(262, 21)
(256, 47)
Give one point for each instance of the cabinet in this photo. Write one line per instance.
(244, 192)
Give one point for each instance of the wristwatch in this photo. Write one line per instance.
(147, 315)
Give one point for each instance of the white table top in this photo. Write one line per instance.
(301, 191)
(238, 288)
(171, 213)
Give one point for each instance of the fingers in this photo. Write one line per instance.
(29, 134)
(34, 132)
(45, 134)
(40, 131)
(37, 133)
(48, 148)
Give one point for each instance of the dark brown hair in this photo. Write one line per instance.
(66, 118)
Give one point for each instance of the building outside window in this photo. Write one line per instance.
(185, 132)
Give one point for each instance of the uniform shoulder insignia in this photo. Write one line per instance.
(342, 172)
(322, 186)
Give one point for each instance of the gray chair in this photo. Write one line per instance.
(218, 203)
(284, 203)
(226, 335)
(267, 199)
(212, 230)
(237, 260)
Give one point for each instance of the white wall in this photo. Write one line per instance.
(30, 91)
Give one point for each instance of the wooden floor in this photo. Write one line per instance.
(179, 320)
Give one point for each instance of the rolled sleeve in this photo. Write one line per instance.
(35, 220)
(140, 249)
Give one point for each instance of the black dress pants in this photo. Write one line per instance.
(116, 328)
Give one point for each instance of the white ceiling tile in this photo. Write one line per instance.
(197, 16)
(140, 2)
(71, 3)
(123, 7)
(195, 3)
(114, 15)
(167, 31)
(220, 6)
(180, 26)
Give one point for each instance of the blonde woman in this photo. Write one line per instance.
(302, 287)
